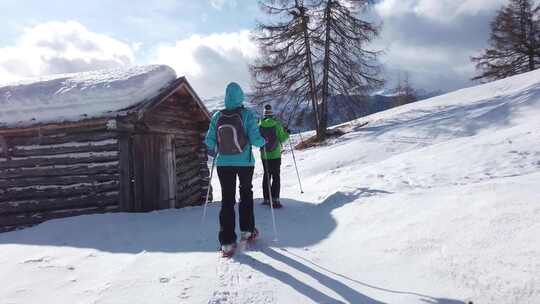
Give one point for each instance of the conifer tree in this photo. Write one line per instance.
(347, 63)
(285, 69)
(514, 45)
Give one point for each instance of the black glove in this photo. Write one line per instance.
(287, 130)
(211, 152)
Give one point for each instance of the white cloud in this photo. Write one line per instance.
(430, 67)
(434, 39)
(439, 10)
(210, 62)
(61, 47)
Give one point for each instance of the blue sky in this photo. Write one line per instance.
(147, 21)
(208, 40)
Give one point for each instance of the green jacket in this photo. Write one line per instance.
(282, 136)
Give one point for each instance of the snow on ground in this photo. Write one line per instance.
(71, 97)
(435, 202)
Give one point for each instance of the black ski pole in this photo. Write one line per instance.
(208, 191)
(267, 181)
(296, 167)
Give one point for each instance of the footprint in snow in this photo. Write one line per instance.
(164, 280)
(38, 260)
(183, 296)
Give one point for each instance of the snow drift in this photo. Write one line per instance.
(434, 202)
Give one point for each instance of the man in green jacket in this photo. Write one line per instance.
(275, 135)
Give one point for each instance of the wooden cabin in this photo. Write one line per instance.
(146, 157)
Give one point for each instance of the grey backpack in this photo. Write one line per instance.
(270, 136)
(231, 135)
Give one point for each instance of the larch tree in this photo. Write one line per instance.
(285, 68)
(347, 65)
(514, 44)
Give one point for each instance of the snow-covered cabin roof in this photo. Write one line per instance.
(78, 96)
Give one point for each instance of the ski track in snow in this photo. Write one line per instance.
(235, 281)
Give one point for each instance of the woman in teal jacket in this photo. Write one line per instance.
(232, 165)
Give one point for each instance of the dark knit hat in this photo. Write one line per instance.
(268, 110)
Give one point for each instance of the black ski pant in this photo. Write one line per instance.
(271, 175)
(227, 179)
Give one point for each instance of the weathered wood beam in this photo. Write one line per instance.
(45, 150)
(171, 130)
(61, 138)
(187, 175)
(36, 192)
(49, 204)
(176, 114)
(187, 166)
(55, 171)
(126, 173)
(43, 129)
(58, 180)
(44, 161)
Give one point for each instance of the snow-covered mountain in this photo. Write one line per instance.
(340, 108)
(433, 202)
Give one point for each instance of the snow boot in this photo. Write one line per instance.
(228, 250)
(250, 236)
(266, 202)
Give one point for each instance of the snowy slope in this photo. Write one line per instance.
(70, 97)
(434, 202)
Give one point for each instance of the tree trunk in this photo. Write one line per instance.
(311, 72)
(532, 44)
(323, 123)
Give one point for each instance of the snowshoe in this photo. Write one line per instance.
(248, 236)
(276, 204)
(228, 250)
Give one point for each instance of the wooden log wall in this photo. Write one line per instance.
(180, 115)
(58, 174)
(205, 172)
(192, 173)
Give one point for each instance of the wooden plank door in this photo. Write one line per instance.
(154, 172)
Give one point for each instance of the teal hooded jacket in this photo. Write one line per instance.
(234, 98)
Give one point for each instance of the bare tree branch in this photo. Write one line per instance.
(514, 42)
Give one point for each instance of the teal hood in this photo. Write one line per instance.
(234, 96)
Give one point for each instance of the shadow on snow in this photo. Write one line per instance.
(325, 277)
(180, 230)
(175, 231)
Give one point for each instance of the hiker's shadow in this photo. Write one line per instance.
(301, 224)
(349, 294)
(348, 289)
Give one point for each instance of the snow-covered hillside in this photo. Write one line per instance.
(434, 202)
